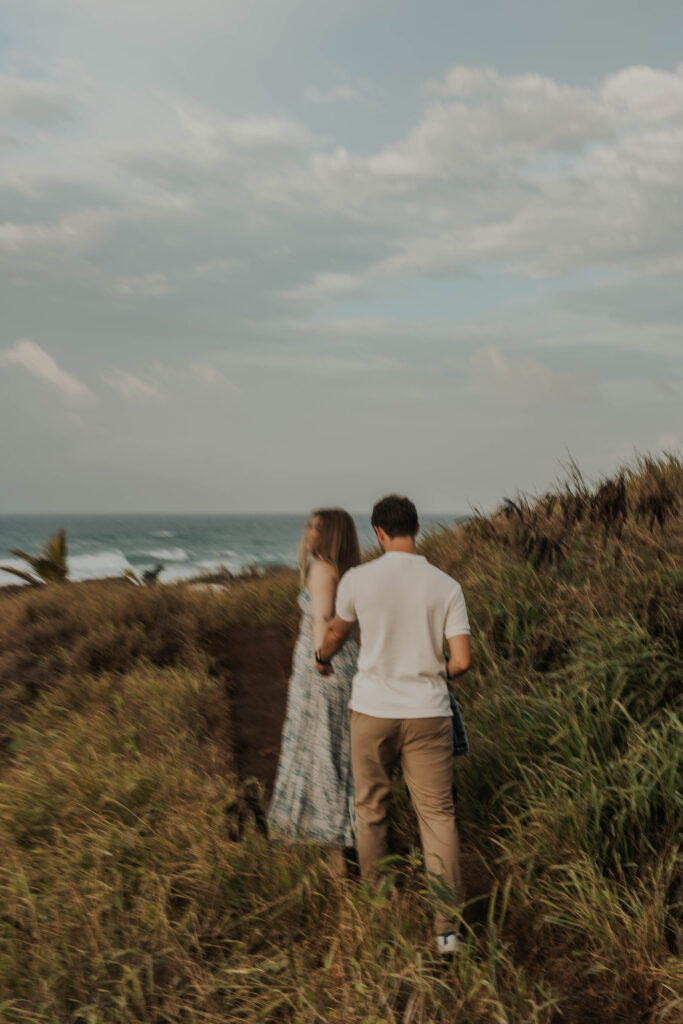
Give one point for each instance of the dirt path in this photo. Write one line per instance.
(259, 664)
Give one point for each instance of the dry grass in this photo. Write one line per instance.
(128, 893)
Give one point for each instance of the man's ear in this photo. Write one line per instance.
(380, 534)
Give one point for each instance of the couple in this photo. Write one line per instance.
(394, 685)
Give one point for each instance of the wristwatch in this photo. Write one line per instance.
(319, 660)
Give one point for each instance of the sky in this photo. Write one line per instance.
(268, 256)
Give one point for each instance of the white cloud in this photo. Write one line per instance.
(338, 94)
(215, 132)
(492, 370)
(649, 93)
(140, 286)
(516, 174)
(363, 90)
(211, 376)
(130, 386)
(324, 285)
(545, 178)
(314, 363)
(71, 233)
(33, 101)
(36, 361)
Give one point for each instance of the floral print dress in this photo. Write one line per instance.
(313, 794)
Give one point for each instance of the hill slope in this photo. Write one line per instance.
(136, 885)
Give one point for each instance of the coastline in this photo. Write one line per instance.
(139, 732)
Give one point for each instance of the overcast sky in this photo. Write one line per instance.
(268, 255)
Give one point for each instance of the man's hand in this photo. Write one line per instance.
(338, 631)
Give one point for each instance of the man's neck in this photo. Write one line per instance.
(404, 544)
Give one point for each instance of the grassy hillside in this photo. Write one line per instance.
(136, 884)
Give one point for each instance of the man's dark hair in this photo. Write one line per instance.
(396, 515)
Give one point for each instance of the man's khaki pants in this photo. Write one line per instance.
(425, 749)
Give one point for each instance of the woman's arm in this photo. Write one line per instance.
(322, 586)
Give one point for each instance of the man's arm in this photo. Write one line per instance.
(460, 657)
(337, 633)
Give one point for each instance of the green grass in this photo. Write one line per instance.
(130, 891)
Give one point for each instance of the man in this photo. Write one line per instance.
(399, 705)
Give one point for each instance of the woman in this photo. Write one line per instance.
(313, 792)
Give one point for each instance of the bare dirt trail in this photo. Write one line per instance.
(260, 665)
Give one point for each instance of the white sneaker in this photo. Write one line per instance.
(448, 943)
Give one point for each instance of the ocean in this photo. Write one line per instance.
(186, 545)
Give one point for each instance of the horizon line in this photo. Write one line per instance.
(355, 514)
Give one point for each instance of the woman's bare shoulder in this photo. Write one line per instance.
(322, 572)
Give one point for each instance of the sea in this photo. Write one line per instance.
(186, 546)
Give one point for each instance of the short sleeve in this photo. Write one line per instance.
(344, 603)
(457, 623)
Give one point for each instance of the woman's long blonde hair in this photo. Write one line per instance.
(337, 541)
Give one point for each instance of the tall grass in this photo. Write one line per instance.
(133, 888)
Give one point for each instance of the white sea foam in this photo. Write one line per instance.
(172, 573)
(214, 564)
(97, 565)
(169, 554)
(162, 533)
(8, 578)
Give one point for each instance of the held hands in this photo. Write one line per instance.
(322, 666)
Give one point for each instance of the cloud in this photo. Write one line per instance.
(491, 370)
(519, 177)
(34, 102)
(363, 90)
(36, 361)
(215, 132)
(140, 286)
(325, 285)
(73, 232)
(130, 386)
(519, 171)
(340, 93)
(211, 376)
(315, 363)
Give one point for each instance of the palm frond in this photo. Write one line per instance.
(50, 564)
(20, 573)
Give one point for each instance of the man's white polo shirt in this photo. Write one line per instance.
(405, 607)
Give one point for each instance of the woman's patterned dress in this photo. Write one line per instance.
(313, 794)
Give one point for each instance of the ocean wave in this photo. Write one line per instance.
(8, 578)
(92, 566)
(173, 573)
(214, 564)
(162, 533)
(97, 565)
(169, 554)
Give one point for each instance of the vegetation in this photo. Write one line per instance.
(50, 566)
(146, 579)
(136, 885)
